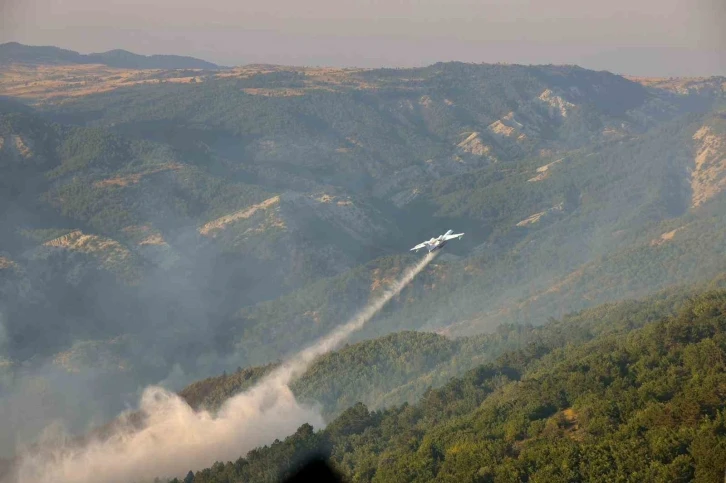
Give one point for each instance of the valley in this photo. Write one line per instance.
(165, 225)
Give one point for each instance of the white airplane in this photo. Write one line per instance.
(438, 242)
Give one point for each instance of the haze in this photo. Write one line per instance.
(640, 37)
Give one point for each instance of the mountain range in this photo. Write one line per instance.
(14, 52)
(165, 220)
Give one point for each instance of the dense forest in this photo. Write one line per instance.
(631, 392)
(400, 367)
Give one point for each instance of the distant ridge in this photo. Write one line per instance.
(29, 54)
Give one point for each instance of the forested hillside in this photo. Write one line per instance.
(615, 394)
(166, 225)
(400, 367)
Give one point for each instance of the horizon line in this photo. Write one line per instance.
(380, 67)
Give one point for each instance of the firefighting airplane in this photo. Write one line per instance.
(438, 242)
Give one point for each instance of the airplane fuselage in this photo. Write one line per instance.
(437, 243)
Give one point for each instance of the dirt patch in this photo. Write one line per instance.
(500, 128)
(6, 263)
(326, 198)
(571, 425)
(532, 219)
(538, 216)
(109, 252)
(123, 181)
(58, 82)
(682, 85)
(569, 415)
(280, 92)
(547, 167)
(544, 171)
(271, 221)
(665, 237)
(155, 239)
(473, 144)
(211, 228)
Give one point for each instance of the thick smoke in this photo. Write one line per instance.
(174, 438)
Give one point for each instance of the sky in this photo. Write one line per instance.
(638, 37)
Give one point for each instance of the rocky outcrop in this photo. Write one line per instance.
(557, 106)
(16, 149)
(708, 177)
(508, 127)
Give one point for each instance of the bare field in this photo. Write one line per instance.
(43, 83)
(55, 83)
(49, 82)
(681, 85)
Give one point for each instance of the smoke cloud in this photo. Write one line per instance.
(173, 438)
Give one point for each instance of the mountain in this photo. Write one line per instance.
(626, 391)
(165, 227)
(399, 368)
(13, 52)
(365, 371)
(16, 52)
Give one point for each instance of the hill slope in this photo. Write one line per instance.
(400, 367)
(640, 405)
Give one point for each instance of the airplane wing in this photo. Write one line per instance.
(418, 247)
(452, 236)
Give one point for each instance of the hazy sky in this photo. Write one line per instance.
(648, 37)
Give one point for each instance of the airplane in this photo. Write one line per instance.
(438, 242)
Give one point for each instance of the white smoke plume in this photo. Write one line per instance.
(299, 364)
(174, 438)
